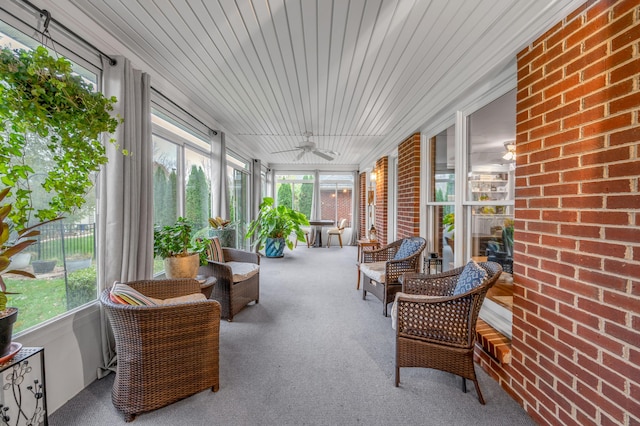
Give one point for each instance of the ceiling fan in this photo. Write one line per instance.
(310, 146)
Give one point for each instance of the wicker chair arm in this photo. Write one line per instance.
(394, 269)
(235, 255)
(142, 319)
(430, 284)
(216, 269)
(164, 289)
(387, 252)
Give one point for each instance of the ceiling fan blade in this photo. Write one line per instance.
(299, 156)
(286, 150)
(322, 154)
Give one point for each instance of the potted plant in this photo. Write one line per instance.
(182, 254)
(50, 120)
(274, 227)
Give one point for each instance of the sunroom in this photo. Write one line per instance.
(507, 122)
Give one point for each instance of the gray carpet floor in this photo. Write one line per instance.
(312, 352)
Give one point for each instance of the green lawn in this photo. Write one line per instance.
(38, 301)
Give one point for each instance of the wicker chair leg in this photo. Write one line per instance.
(129, 417)
(397, 376)
(480, 398)
(464, 385)
(215, 388)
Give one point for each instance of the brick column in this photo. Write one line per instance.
(408, 220)
(576, 311)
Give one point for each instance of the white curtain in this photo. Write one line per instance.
(355, 203)
(316, 202)
(256, 188)
(125, 193)
(219, 187)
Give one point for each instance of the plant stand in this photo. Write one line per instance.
(23, 388)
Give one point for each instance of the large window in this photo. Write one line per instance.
(63, 259)
(238, 183)
(295, 191)
(490, 181)
(182, 170)
(336, 197)
(442, 168)
(486, 154)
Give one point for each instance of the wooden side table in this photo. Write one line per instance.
(364, 244)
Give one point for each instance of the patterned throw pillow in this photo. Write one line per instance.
(214, 251)
(125, 295)
(472, 276)
(408, 247)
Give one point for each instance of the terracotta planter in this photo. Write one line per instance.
(182, 267)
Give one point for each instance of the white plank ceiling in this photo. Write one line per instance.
(360, 75)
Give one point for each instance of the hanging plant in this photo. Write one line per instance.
(48, 112)
(51, 117)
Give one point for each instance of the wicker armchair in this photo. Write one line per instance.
(233, 296)
(381, 272)
(165, 352)
(436, 329)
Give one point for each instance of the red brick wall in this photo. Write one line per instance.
(408, 220)
(328, 206)
(576, 315)
(363, 206)
(382, 190)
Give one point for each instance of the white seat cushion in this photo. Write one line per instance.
(195, 297)
(374, 270)
(243, 270)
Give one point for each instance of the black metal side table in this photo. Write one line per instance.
(436, 262)
(24, 399)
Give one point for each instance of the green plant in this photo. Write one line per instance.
(450, 221)
(220, 223)
(176, 241)
(8, 248)
(276, 222)
(81, 287)
(49, 112)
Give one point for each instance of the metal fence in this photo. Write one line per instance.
(63, 240)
